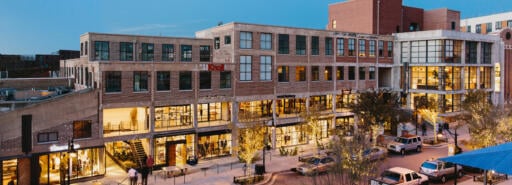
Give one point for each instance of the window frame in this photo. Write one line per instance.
(351, 47)
(283, 73)
(47, 138)
(266, 41)
(185, 80)
(113, 81)
(143, 81)
(148, 52)
(283, 44)
(315, 45)
(265, 68)
(315, 73)
(85, 129)
(328, 46)
(205, 80)
(245, 40)
(204, 53)
(362, 47)
(245, 68)
(163, 81)
(300, 45)
(168, 52)
(186, 53)
(225, 80)
(340, 49)
(101, 50)
(126, 51)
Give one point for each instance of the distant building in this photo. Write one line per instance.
(33, 66)
(487, 24)
(387, 17)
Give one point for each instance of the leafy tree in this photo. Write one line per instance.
(374, 108)
(251, 132)
(487, 123)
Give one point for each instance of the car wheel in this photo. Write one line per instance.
(418, 149)
(402, 152)
(443, 179)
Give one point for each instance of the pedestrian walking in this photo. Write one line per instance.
(144, 172)
(132, 173)
(149, 163)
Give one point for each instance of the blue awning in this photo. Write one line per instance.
(497, 158)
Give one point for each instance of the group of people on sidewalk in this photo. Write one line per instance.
(145, 171)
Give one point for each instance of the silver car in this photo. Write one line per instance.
(439, 170)
(316, 165)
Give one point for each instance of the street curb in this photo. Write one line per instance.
(271, 179)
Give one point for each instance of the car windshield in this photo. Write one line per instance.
(314, 160)
(429, 165)
(401, 140)
(391, 175)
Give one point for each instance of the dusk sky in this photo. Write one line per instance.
(45, 26)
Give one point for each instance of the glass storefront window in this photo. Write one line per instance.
(212, 114)
(470, 78)
(214, 145)
(452, 78)
(84, 163)
(9, 171)
(173, 117)
(345, 125)
(290, 107)
(291, 135)
(485, 77)
(262, 108)
(123, 121)
(452, 102)
(324, 102)
(173, 150)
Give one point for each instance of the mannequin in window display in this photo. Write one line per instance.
(63, 169)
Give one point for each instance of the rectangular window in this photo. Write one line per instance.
(315, 73)
(86, 47)
(204, 53)
(266, 41)
(351, 47)
(225, 79)
(328, 73)
(509, 24)
(371, 52)
(82, 129)
(245, 40)
(497, 25)
(216, 42)
(101, 50)
(340, 73)
(381, 48)
(486, 52)
(300, 73)
(186, 53)
(371, 72)
(315, 45)
(468, 28)
(362, 48)
(351, 73)
(227, 39)
(167, 52)
(328, 46)
(265, 68)
(126, 51)
(245, 68)
(140, 81)
(488, 27)
(185, 80)
(390, 48)
(113, 81)
(147, 52)
(471, 51)
(205, 80)
(485, 77)
(163, 80)
(283, 74)
(362, 72)
(81, 49)
(47, 137)
(340, 42)
(478, 28)
(300, 45)
(284, 44)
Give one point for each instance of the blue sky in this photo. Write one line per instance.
(45, 26)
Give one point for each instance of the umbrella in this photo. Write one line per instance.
(497, 158)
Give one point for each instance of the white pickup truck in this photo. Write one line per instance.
(400, 176)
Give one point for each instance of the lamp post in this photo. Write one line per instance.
(71, 149)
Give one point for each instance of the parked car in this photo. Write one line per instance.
(439, 170)
(405, 143)
(375, 153)
(316, 165)
(400, 176)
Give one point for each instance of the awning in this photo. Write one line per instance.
(497, 158)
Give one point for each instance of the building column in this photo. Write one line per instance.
(24, 171)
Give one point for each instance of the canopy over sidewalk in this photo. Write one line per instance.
(497, 158)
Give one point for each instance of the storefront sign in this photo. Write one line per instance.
(55, 147)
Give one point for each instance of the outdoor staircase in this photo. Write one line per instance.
(138, 152)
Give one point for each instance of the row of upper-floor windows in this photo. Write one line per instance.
(444, 51)
(283, 72)
(102, 51)
(489, 26)
(140, 80)
(344, 46)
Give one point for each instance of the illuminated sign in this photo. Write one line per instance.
(497, 77)
(55, 147)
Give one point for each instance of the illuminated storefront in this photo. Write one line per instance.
(290, 107)
(345, 125)
(173, 117)
(291, 135)
(173, 150)
(124, 121)
(260, 109)
(9, 171)
(211, 114)
(84, 163)
(214, 144)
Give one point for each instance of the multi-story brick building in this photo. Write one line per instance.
(387, 17)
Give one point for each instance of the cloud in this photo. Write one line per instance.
(146, 27)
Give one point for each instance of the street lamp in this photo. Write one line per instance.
(265, 142)
(71, 150)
